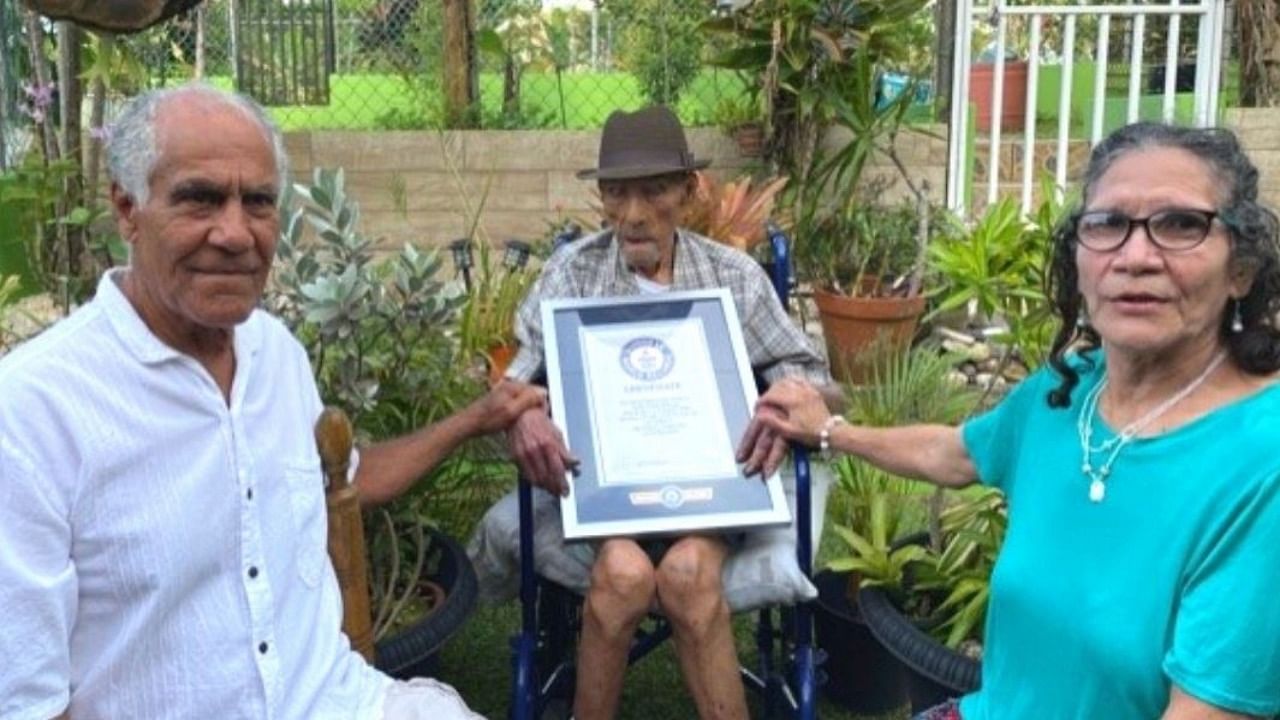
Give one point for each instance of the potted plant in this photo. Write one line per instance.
(982, 80)
(797, 54)
(922, 583)
(931, 619)
(993, 273)
(376, 332)
(869, 510)
(864, 677)
(486, 327)
(742, 119)
(864, 263)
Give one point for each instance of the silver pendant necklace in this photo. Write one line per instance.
(1109, 449)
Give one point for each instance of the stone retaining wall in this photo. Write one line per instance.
(416, 185)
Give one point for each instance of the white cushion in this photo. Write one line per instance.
(762, 571)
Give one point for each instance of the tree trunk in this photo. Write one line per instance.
(944, 50)
(71, 96)
(459, 64)
(200, 42)
(510, 86)
(97, 113)
(5, 93)
(1259, 23)
(93, 163)
(35, 42)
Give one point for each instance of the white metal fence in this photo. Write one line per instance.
(1154, 37)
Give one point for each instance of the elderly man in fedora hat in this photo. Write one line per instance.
(645, 176)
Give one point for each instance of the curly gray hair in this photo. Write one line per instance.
(1255, 244)
(131, 148)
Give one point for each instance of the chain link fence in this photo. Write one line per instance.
(15, 133)
(377, 64)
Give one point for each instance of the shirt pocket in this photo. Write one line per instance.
(306, 502)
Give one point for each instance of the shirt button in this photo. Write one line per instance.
(262, 648)
(253, 572)
(249, 493)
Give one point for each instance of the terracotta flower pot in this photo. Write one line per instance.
(1013, 106)
(852, 324)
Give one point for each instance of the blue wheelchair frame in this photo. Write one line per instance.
(543, 665)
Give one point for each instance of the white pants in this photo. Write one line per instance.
(424, 699)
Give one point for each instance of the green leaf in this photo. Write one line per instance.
(78, 217)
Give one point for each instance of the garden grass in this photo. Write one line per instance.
(478, 663)
(388, 101)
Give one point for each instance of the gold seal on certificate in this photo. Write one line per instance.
(652, 394)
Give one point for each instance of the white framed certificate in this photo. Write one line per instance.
(652, 394)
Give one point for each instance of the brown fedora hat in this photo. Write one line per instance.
(642, 144)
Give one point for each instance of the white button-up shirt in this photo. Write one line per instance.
(162, 554)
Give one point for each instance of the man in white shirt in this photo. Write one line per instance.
(162, 527)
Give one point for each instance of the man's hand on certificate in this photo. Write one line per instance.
(540, 452)
(762, 449)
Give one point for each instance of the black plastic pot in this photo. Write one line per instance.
(861, 675)
(414, 651)
(933, 671)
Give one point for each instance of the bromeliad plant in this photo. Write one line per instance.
(734, 212)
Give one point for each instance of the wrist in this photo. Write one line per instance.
(824, 435)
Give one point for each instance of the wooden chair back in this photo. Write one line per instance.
(346, 529)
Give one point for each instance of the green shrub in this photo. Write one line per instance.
(661, 46)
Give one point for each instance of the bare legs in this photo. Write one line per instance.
(686, 586)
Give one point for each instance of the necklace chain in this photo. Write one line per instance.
(1109, 449)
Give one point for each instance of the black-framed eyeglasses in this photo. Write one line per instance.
(1175, 230)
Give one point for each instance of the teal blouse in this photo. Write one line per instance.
(1096, 608)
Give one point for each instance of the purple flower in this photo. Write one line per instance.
(39, 98)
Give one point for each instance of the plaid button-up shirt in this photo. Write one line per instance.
(595, 267)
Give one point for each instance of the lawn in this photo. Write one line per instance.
(582, 100)
(382, 101)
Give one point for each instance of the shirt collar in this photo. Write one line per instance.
(138, 338)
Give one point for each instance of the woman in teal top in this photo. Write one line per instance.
(1140, 575)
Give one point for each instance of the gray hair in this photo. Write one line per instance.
(131, 150)
(1255, 244)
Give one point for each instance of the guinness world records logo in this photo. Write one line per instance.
(647, 358)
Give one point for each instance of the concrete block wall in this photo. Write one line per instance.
(417, 186)
(1259, 132)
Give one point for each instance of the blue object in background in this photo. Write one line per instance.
(892, 84)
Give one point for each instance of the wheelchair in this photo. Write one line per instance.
(786, 673)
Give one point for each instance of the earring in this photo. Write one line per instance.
(1237, 323)
(1082, 318)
